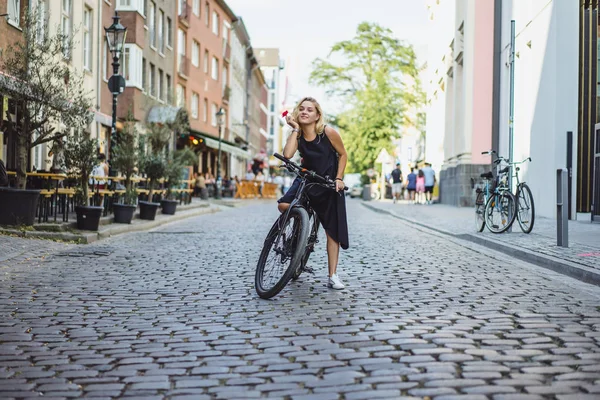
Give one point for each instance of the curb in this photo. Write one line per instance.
(564, 267)
(111, 229)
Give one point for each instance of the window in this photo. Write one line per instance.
(225, 33)
(195, 54)
(144, 77)
(224, 74)
(14, 12)
(196, 8)
(207, 14)
(133, 65)
(66, 27)
(169, 93)
(105, 54)
(151, 80)
(181, 5)
(169, 33)
(195, 104)
(126, 60)
(215, 69)
(42, 20)
(87, 39)
(181, 50)
(213, 117)
(161, 32)
(206, 61)
(215, 23)
(205, 111)
(161, 93)
(180, 96)
(152, 24)
(132, 5)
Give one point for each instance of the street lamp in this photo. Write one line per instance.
(220, 122)
(115, 36)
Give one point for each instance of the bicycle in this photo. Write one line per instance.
(292, 237)
(484, 194)
(525, 205)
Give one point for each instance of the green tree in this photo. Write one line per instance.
(378, 81)
(49, 91)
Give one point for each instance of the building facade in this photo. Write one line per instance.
(555, 120)
(271, 65)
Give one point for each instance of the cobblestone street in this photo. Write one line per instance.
(172, 314)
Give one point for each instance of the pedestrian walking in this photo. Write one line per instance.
(396, 183)
(420, 187)
(411, 184)
(322, 151)
(429, 182)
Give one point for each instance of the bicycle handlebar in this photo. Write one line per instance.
(305, 171)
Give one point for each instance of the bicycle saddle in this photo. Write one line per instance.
(504, 170)
(487, 175)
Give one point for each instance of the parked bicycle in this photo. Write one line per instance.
(525, 207)
(495, 204)
(292, 237)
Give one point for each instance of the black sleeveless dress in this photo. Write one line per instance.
(319, 155)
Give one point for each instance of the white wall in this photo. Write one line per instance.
(441, 29)
(546, 85)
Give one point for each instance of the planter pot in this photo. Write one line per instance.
(18, 206)
(123, 213)
(168, 206)
(148, 210)
(88, 218)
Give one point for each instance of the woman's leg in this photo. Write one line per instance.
(282, 207)
(333, 254)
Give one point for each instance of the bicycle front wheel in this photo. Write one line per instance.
(479, 212)
(310, 245)
(281, 253)
(525, 208)
(500, 211)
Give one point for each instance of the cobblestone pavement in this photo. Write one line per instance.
(172, 314)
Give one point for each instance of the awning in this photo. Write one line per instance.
(236, 151)
(226, 146)
(162, 114)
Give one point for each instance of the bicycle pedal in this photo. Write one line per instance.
(309, 270)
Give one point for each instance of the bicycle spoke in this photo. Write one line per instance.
(279, 256)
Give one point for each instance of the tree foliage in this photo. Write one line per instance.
(126, 156)
(49, 90)
(378, 80)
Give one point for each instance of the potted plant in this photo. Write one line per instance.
(46, 93)
(154, 165)
(125, 159)
(81, 158)
(173, 173)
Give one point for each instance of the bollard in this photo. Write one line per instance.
(562, 208)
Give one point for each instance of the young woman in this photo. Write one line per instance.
(322, 151)
(420, 187)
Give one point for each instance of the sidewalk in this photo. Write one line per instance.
(581, 260)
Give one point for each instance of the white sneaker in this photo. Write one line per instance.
(334, 282)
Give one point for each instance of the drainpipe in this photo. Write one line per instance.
(497, 71)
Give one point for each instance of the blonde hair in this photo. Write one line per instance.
(320, 124)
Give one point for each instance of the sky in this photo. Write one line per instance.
(306, 29)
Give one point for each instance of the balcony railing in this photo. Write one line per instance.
(226, 93)
(183, 66)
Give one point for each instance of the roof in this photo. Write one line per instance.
(227, 10)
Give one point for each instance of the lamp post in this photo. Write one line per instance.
(115, 35)
(220, 122)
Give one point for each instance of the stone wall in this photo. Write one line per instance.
(455, 184)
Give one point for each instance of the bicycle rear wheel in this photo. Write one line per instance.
(479, 212)
(281, 253)
(500, 211)
(525, 208)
